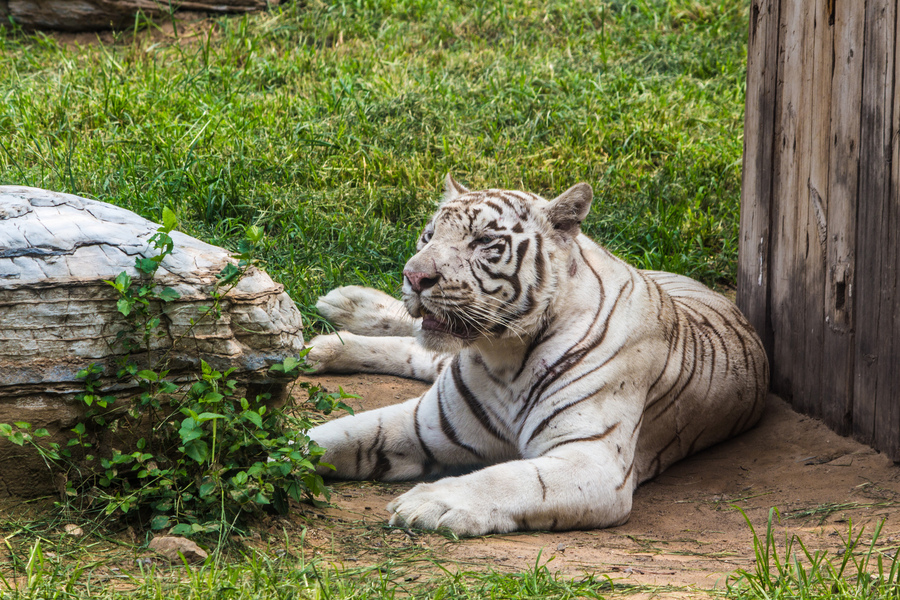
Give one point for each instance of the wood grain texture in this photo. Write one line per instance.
(791, 145)
(815, 198)
(887, 408)
(825, 283)
(92, 15)
(873, 199)
(756, 193)
(839, 338)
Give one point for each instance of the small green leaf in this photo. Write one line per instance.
(181, 529)
(125, 305)
(228, 274)
(168, 294)
(147, 266)
(16, 438)
(188, 435)
(197, 449)
(5, 429)
(122, 281)
(170, 221)
(41, 433)
(148, 375)
(253, 418)
(159, 522)
(22, 425)
(254, 234)
(208, 416)
(207, 488)
(167, 387)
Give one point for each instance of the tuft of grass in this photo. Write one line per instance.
(857, 571)
(331, 124)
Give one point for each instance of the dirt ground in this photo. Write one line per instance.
(684, 531)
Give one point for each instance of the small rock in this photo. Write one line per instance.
(173, 547)
(73, 530)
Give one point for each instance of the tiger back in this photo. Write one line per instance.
(567, 375)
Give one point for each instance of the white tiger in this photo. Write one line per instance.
(573, 376)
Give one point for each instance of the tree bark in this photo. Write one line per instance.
(94, 15)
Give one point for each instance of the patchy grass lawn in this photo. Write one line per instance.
(332, 125)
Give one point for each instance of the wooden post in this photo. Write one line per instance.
(820, 217)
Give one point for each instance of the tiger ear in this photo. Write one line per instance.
(568, 210)
(452, 189)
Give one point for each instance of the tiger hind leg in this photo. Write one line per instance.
(346, 352)
(366, 311)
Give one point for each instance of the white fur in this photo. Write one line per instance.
(600, 378)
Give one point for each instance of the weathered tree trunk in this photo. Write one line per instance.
(819, 269)
(93, 15)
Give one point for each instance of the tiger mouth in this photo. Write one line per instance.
(431, 322)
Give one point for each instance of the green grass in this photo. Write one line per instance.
(263, 575)
(332, 125)
(53, 567)
(793, 571)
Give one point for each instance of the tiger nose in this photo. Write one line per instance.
(420, 281)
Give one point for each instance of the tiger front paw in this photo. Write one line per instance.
(365, 311)
(325, 352)
(447, 503)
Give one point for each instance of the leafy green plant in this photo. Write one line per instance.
(207, 455)
(215, 457)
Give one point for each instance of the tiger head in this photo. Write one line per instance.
(489, 263)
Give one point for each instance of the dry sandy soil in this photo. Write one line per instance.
(685, 529)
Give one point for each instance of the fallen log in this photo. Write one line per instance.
(95, 15)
